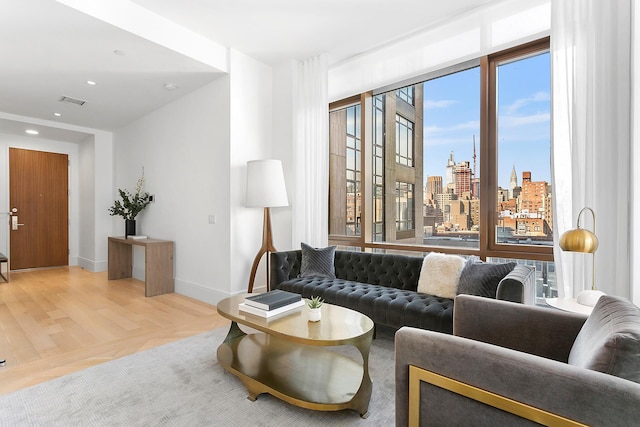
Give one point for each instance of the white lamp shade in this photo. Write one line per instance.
(265, 184)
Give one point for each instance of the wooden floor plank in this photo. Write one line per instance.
(56, 321)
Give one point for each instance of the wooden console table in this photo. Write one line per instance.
(158, 263)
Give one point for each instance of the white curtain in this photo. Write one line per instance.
(591, 75)
(310, 207)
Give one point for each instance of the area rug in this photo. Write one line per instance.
(181, 384)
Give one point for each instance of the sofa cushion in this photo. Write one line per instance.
(384, 305)
(317, 262)
(482, 278)
(609, 341)
(440, 274)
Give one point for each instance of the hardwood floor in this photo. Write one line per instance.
(57, 321)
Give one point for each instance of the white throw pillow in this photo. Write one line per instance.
(440, 274)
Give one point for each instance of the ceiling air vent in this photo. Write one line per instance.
(72, 100)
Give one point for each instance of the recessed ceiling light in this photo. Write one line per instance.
(91, 83)
(32, 132)
(170, 86)
(57, 114)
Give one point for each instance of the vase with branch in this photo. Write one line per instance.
(130, 206)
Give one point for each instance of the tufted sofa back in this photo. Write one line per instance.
(397, 271)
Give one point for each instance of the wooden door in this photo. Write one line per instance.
(38, 201)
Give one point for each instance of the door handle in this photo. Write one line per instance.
(14, 222)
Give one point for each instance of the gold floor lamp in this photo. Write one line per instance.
(585, 241)
(265, 189)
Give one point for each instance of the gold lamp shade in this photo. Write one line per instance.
(579, 240)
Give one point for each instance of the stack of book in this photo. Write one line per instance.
(272, 303)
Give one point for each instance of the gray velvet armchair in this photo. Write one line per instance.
(511, 364)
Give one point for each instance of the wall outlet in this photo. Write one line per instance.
(212, 219)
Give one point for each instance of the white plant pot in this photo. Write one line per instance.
(314, 314)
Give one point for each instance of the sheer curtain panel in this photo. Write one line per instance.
(591, 141)
(310, 208)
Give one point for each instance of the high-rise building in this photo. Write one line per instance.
(534, 202)
(475, 187)
(434, 186)
(462, 178)
(449, 179)
(443, 201)
(513, 182)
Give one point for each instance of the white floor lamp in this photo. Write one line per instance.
(265, 189)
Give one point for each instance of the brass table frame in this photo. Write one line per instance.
(283, 357)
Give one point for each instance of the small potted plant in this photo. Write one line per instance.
(130, 206)
(314, 308)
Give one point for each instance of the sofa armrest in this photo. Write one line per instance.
(542, 331)
(519, 285)
(284, 266)
(579, 394)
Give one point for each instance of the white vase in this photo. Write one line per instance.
(314, 314)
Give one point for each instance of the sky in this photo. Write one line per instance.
(452, 119)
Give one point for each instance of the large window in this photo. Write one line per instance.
(523, 161)
(406, 94)
(353, 151)
(377, 166)
(404, 206)
(346, 179)
(451, 111)
(457, 161)
(404, 141)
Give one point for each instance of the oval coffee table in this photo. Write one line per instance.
(283, 357)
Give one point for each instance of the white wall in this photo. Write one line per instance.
(184, 149)
(194, 152)
(103, 183)
(87, 197)
(474, 34)
(252, 118)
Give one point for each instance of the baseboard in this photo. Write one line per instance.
(199, 292)
(92, 266)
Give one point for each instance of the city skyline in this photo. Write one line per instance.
(451, 114)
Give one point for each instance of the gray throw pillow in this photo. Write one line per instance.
(609, 340)
(482, 278)
(318, 262)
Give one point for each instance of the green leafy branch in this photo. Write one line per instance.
(131, 204)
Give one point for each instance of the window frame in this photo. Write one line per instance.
(408, 143)
(403, 190)
(488, 212)
(489, 163)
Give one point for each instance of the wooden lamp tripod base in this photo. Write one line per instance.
(267, 246)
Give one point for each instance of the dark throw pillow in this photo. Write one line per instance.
(318, 262)
(482, 278)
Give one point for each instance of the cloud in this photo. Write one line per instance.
(452, 142)
(522, 102)
(430, 104)
(514, 121)
(472, 124)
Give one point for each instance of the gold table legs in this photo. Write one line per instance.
(302, 374)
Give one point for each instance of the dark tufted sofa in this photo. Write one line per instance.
(382, 286)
